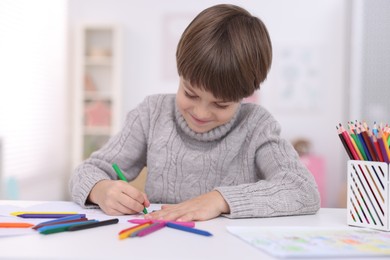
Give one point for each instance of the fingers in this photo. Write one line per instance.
(115, 210)
(179, 212)
(119, 198)
(146, 200)
(166, 214)
(203, 207)
(131, 199)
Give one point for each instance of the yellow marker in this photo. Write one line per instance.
(127, 232)
(39, 212)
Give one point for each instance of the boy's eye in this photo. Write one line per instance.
(221, 106)
(189, 95)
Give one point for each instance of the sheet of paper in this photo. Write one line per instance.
(302, 242)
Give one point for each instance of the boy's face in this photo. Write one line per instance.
(201, 110)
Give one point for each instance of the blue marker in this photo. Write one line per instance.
(72, 217)
(188, 229)
(62, 227)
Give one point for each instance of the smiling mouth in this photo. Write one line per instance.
(199, 121)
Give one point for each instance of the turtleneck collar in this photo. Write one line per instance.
(212, 135)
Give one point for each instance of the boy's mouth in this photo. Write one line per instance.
(199, 121)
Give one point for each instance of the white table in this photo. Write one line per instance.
(103, 242)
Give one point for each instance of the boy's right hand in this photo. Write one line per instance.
(118, 197)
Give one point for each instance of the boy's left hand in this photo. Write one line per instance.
(203, 207)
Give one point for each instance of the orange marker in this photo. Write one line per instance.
(127, 232)
(15, 225)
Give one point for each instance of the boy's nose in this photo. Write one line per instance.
(201, 113)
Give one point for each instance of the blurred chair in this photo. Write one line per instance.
(139, 182)
(315, 164)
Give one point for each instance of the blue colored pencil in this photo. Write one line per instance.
(359, 135)
(188, 229)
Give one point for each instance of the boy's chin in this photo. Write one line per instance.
(199, 130)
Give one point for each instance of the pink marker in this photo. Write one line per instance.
(152, 228)
(142, 221)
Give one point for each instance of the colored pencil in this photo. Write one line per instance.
(370, 136)
(359, 135)
(188, 229)
(359, 145)
(357, 141)
(382, 145)
(385, 144)
(370, 147)
(347, 139)
(377, 148)
(365, 144)
(356, 149)
(375, 129)
(344, 143)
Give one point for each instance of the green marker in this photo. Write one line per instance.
(123, 178)
(119, 172)
(62, 227)
(54, 230)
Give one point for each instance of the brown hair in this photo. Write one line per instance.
(225, 50)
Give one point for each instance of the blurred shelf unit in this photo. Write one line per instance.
(97, 93)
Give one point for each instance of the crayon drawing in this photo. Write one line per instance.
(315, 242)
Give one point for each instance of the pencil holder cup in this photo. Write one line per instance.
(368, 194)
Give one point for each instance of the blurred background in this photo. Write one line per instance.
(70, 70)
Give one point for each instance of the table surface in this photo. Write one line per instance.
(103, 242)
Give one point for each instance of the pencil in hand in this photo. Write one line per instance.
(123, 178)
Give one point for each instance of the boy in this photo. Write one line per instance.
(206, 152)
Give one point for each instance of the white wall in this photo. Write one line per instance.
(310, 57)
(33, 99)
(371, 61)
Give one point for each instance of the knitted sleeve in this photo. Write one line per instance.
(127, 149)
(285, 185)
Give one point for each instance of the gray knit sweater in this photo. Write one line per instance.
(258, 173)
